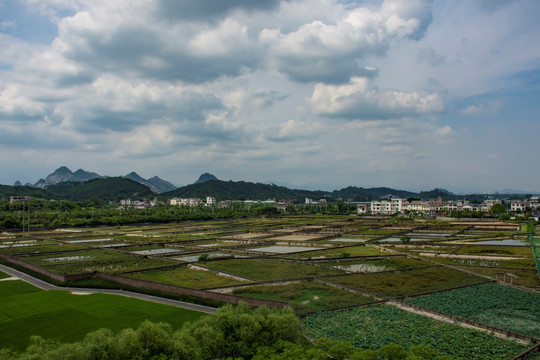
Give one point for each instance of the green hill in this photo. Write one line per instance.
(110, 189)
(241, 190)
(107, 189)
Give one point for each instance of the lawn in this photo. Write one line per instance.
(26, 310)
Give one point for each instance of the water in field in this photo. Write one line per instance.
(87, 241)
(362, 268)
(503, 242)
(194, 258)
(284, 249)
(208, 245)
(20, 244)
(156, 251)
(347, 240)
(68, 258)
(430, 234)
(395, 239)
(113, 245)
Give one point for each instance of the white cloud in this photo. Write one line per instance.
(359, 100)
(330, 53)
(480, 109)
(257, 86)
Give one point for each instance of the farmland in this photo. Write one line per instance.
(311, 263)
(375, 326)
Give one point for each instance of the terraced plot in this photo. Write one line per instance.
(269, 269)
(410, 282)
(184, 276)
(305, 295)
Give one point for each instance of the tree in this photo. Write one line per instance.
(405, 239)
(498, 209)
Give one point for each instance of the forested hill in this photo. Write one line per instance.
(241, 190)
(116, 188)
(113, 189)
(107, 189)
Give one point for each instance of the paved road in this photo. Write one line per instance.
(46, 286)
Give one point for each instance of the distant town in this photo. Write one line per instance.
(389, 205)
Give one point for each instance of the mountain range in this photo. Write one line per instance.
(64, 174)
(83, 185)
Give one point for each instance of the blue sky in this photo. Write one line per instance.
(313, 93)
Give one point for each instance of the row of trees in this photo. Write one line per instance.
(92, 212)
(232, 333)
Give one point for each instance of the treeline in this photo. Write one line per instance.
(235, 333)
(54, 214)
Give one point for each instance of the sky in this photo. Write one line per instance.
(313, 94)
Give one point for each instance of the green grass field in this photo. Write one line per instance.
(26, 310)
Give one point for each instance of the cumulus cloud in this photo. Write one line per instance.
(123, 39)
(255, 84)
(359, 100)
(330, 53)
(175, 10)
(482, 109)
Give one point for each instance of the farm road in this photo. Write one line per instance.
(82, 291)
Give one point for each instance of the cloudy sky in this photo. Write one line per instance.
(317, 93)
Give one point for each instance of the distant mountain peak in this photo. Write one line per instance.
(155, 184)
(59, 175)
(205, 177)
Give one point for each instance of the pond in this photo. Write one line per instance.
(348, 240)
(362, 268)
(88, 241)
(284, 249)
(194, 258)
(515, 242)
(156, 251)
(395, 239)
(68, 258)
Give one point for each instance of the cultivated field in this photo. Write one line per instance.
(311, 263)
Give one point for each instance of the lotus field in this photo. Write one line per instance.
(492, 304)
(376, 326)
